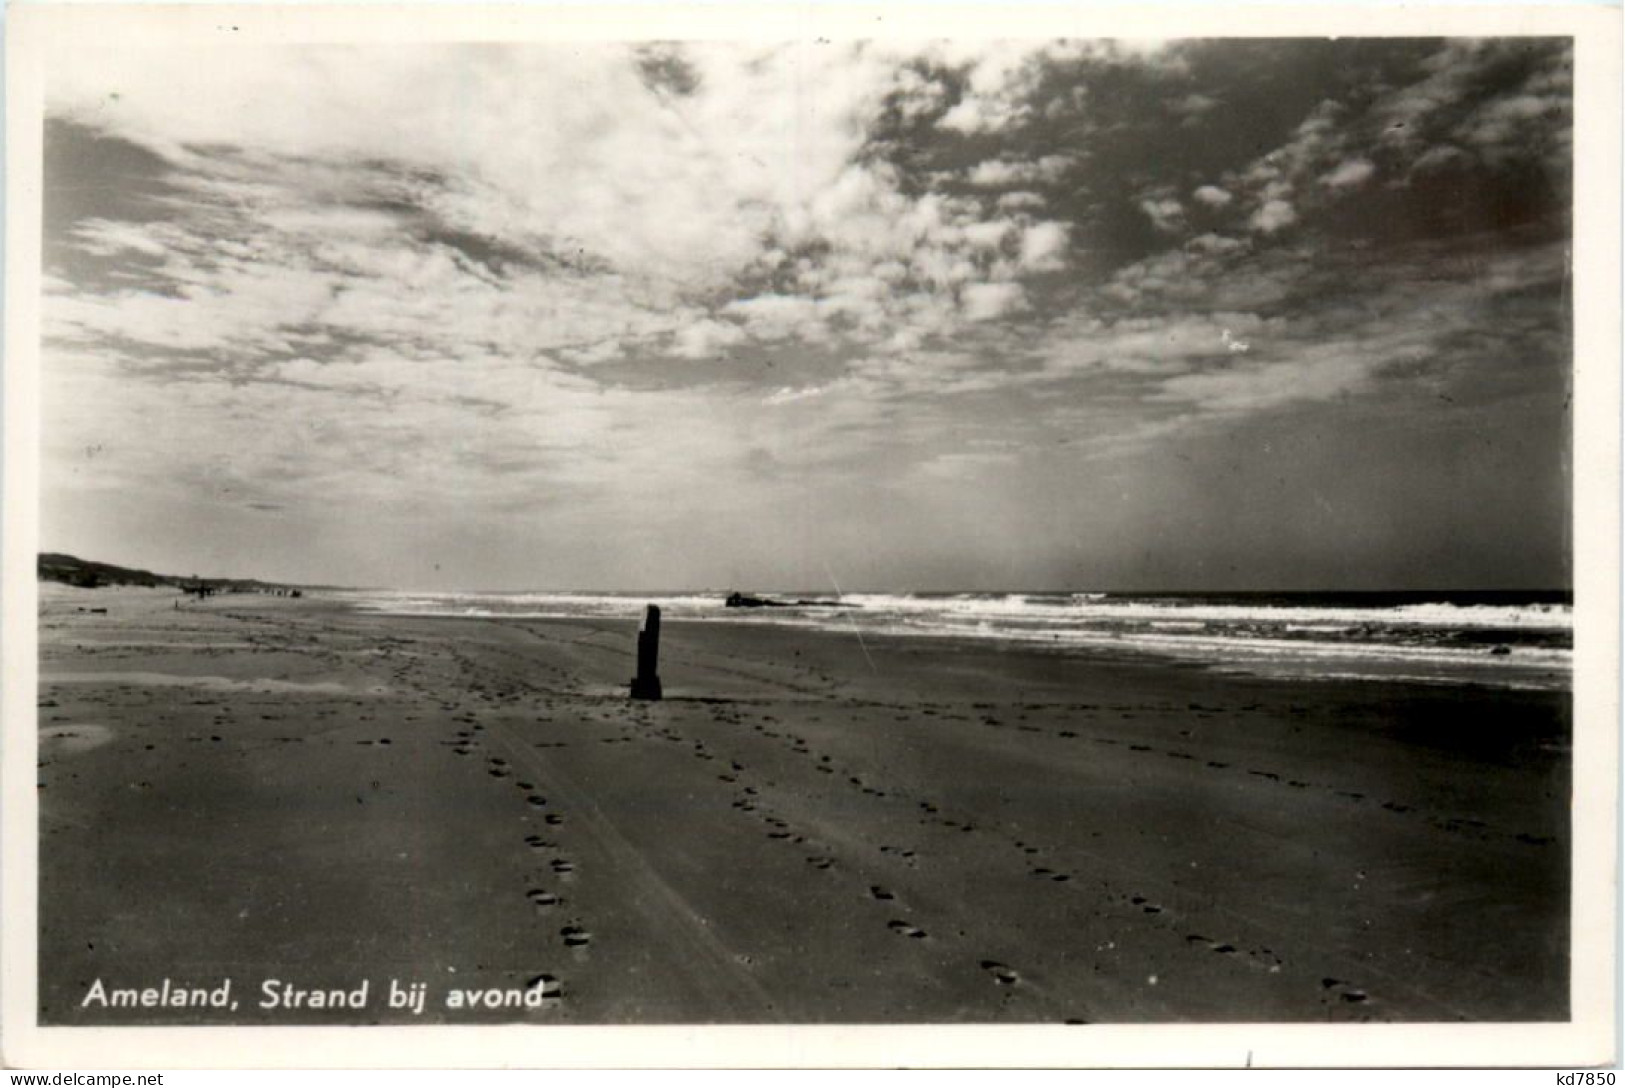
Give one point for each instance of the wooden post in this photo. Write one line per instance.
(646, 684)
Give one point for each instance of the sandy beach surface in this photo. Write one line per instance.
(270, 791)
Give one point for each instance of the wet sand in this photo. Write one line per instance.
(805, 830)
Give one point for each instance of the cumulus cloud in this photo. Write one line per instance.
(1212, 196)
(1019, 201)
(1044, 247)
(1349, 172)
(775, 317)
(996, 173)
(1165, 213)
(706, 338)
(985, 301)
(1274, 215)
(998, 88)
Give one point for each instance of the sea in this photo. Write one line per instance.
(1507, 639)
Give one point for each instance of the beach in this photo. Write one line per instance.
(259, 797)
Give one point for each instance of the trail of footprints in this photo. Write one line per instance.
(748, 801)
(1474, 828)
(559, 868)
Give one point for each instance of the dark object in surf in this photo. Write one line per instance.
(740, 600)
(646, 684)
(735, 599)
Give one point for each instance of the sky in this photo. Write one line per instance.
(1070, 314)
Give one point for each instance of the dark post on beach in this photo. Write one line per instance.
(646, 684)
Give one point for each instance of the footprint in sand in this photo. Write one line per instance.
(562, 866)
(536, 800)
(542, 898)
(1345, 990)
(1003, 975)
(553, 819)
(905, 929)
(550, 986)
(575, 937)
(820, 862)
(878, 892)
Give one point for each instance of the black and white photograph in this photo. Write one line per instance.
(767, 524)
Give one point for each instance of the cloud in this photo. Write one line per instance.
(985, 301)
(1148, 345)
(1165, 213)
(775, 317)
(789, 394)
(998, 89)
(997, 173)
(1274, 215)
(612, 286)
(1260, 388)
(591, 354)
(1044, 247)
(1019, 201)
(1501, 100)
(1192, 105)
(962, 465)
(708, 171)
(1349, 172)
(706, 338)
